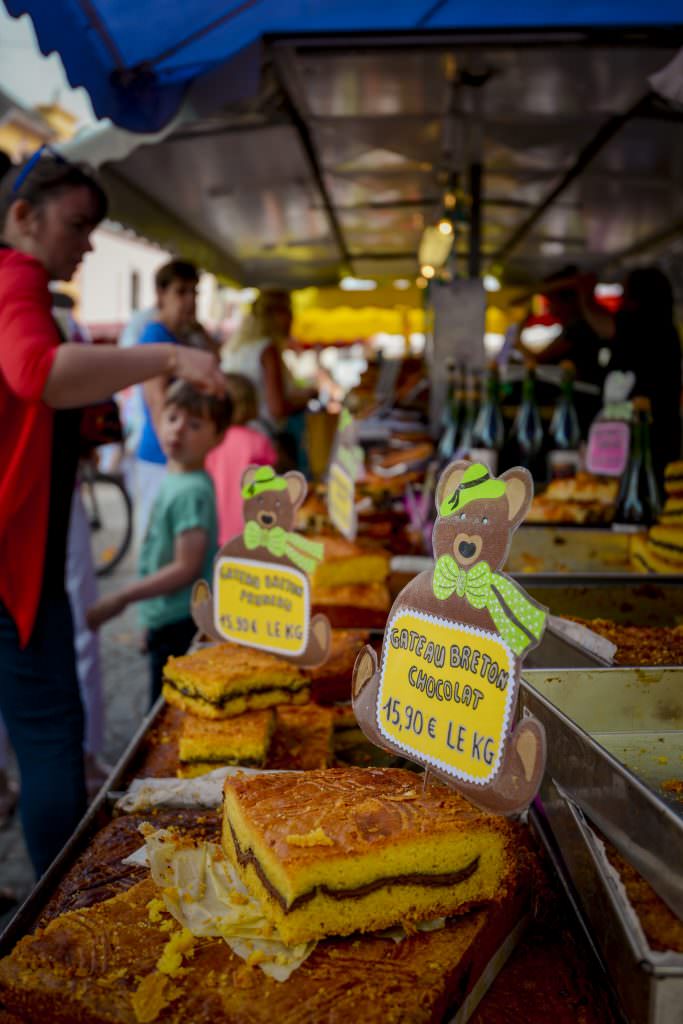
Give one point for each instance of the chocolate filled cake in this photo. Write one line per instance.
(225, 679)
(207, 743)
(353, 849)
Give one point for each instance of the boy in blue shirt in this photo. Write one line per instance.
(176, 291)
(181, 538)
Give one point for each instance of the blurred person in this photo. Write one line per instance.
(579, 342)
(48, 209)
(181, 540)
(255, 351)
(242, 446)
(646, 343)
(176, 289)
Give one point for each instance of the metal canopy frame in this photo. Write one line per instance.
(352, 195)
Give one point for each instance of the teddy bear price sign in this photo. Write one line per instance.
(446, 690)
(261, 588)
(346, 466)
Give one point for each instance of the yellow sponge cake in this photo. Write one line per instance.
(359, 849)
(207, 743)
(346, 562)
(225, 679)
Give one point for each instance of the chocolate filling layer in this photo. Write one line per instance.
(666, 547)
(414, 878)
(226, 698)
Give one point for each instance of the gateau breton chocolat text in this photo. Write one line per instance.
(464, 657)
(432, 682)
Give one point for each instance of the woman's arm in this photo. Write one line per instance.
(188, 559)
(82, 374)
(154, 391)
(278, 402)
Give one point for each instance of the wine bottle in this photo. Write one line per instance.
(451, 415)
(565, 433)
(639, 500)
(489, 432)
(527, 430)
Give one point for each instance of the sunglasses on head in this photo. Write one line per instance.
(31, 163)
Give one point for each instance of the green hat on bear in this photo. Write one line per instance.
(264, 479)
(475, 484)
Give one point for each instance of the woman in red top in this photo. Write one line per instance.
(48, 209)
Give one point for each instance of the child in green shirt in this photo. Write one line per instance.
(181, 538)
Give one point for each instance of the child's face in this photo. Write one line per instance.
(186, 438)
(177, 304)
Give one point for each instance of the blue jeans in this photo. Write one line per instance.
(165, 642)
(41, 706)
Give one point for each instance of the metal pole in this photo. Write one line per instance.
(474, 257)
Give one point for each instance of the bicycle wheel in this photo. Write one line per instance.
(110, 514)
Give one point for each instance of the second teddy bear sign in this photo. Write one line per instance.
(261, 591)
(446, 690)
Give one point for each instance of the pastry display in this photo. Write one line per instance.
(353, 849)
(640, 645)
(660, 550)
(579, 499)
(207, 743)
(222, 680)
(121, 962)
(673, 478)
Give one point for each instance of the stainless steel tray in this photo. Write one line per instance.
(586, 787)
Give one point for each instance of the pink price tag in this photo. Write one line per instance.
(608, 447)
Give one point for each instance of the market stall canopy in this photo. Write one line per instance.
(299, 150)
(136, 58)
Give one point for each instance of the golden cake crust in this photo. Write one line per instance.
(361, 850)
(361, 810)
(243, 739)
(227, 679)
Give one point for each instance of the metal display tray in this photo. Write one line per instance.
(623, 597)
(594, 721)
(96, 817)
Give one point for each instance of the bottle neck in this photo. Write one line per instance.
(529, 388)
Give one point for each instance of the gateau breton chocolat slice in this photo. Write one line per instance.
(645, 558)
(667, 541)
(360, 849)
(346, 562)
(226, 679)
(207, 743)
(672, 513)
(673, 478)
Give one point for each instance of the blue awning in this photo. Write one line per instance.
(137, 58)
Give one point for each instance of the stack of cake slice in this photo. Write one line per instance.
(223, 680)
(207, 743)
(661, 549)
(351, 849)
(350, 584)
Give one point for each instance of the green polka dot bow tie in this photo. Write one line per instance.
(518, 619)
(304, 553)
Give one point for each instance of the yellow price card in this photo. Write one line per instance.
(261, 604)
(446, 693)
(341, 501)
